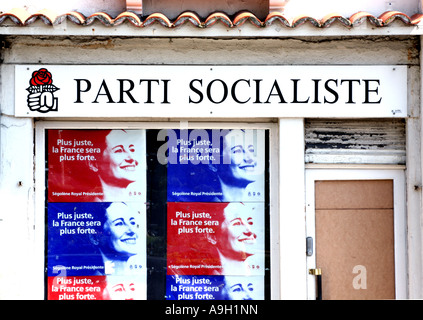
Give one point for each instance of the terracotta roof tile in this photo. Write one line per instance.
(241, 18)
(416, 18)
(329, 19)
(188, 17)
(21, 17)
(217, 17)
(156, 17)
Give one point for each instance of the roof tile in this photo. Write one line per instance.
(241, 18)
(21, 17)
(416, 18)
(329, 19)
(217, 17)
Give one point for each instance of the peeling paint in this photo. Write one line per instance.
(358, 141)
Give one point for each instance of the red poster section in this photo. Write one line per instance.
(77, 288)
(215, 238)
(96, 165)
(96, 288)
(191, 228)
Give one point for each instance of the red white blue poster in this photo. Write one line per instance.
(212, 244)
(215, 214)
(95, 288)
(215, 287)
(201, 229)
(216, 165)
(102, 241)
(96, 215)
(96, 165)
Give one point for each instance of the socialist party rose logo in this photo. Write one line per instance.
(41, 92)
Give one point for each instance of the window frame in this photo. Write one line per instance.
(40, 181)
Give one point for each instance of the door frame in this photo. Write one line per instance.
(400, 230)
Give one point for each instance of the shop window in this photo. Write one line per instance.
(157, 214)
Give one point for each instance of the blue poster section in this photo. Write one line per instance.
(73, 230)
(194, 287)
(214, 287)
(215, 165)
(189, 178)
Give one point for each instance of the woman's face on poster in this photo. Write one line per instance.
(122, 291)
(241, 288)
(239, 147)
(121, 227)
(124, 288)
(119, 161)
(238, 238)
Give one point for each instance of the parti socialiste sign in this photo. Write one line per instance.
(210, 91)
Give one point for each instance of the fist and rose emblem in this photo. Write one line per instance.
(41, 92)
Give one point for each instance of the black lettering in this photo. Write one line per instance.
(279, 93)
(368, 91)
(329, 89)
(257, 81)
(79, 89)
(149, 81)
(200, 94)
(316, 90)
(127, 91)
(296, 92)
(209, 91)
(233, 90)
(106, 93)
(350, 89)
(165, 91)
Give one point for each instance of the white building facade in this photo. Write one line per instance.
(336, 99)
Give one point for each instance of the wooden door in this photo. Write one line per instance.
(354, 238)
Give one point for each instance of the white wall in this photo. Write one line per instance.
(16, 198)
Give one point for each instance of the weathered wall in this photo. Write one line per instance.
(317, 51)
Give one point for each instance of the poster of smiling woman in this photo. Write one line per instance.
(96, 165)
(96, 214)
(216, 165)
(215, 246)
(96, 251)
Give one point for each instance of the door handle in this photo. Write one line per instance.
(318, 273)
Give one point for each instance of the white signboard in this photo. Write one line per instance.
(210, 91)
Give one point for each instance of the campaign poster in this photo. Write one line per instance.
(215, 287)
(215, 238)
(215, 165)
(96, 165)
(96, 250)
(211, 245)
(96, 288)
